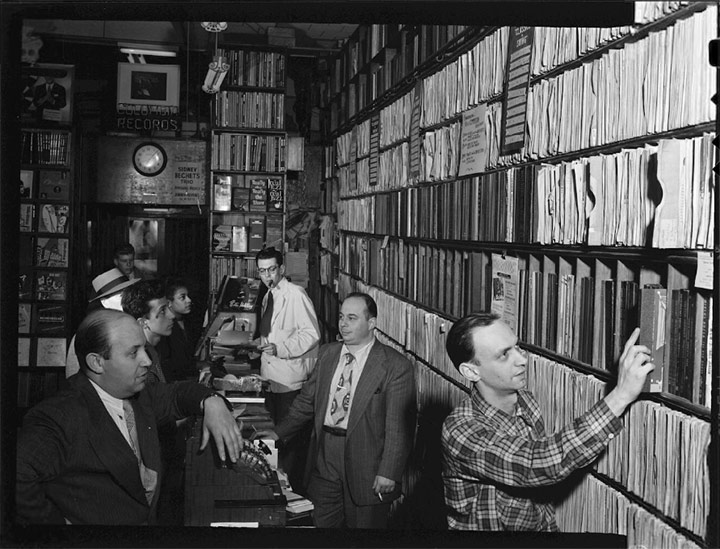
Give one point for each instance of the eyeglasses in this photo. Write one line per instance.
(270, 270)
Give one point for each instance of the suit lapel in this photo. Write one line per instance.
(147, 438)
(109, 443)
(372, 375)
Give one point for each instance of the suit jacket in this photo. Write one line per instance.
(177, 355)
(52, 98)
(74, 463)
(381, 423)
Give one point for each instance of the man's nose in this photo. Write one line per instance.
(144, 358)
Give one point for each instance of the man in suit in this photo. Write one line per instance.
(91, 454)
(48, 95)
(360, 399)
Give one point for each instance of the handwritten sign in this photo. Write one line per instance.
(473, 142)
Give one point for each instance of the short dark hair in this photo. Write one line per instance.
(459, 343)
(270, 253)
(370, 305)
(136, 298)
(123, 249)
(172, 283)
(93, 334)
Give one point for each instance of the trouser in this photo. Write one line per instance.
(329, 492)
(293, 456)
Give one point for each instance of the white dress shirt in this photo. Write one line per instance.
(360, 360)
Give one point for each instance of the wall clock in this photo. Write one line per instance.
(149, 159)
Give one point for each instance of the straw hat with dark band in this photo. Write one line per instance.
(109, 283)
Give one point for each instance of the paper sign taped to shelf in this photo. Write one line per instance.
(505, 289)
(473, 143)
(704, 273)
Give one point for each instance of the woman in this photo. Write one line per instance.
(177, 350)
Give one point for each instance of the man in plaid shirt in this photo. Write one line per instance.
(497, 456)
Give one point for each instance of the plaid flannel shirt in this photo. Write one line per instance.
(495, 465)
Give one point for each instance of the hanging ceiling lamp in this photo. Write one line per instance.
(219, 66)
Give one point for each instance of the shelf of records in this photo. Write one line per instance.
(244, 267)
(575, 306)
(671, 481)
(359, 81)
(45, 147)
(446, 154)
(445, 126)
(249, 109)
(665, 45)
(659, 196)
(248, 152)
(254, 68)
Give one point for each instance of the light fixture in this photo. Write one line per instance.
(137, 52)
(218, 68)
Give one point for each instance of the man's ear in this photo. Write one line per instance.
(95, 363)
(470, 371)
(372, 322)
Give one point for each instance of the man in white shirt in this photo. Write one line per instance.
(289, 337)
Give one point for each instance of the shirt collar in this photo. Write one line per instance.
(360, 352)
(488, 410)
(109, 400)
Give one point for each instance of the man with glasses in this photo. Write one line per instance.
(289, 338)
(498, 460)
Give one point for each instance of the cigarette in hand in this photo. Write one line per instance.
(380, 496)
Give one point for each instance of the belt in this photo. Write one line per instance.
(337, 431)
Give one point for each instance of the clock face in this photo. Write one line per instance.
(149, 159)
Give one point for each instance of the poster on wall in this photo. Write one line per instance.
(144, 235)
(48, 93)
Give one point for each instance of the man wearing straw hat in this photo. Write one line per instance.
(106, 294)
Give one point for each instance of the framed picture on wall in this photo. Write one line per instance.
(48, 93)
(149, 85)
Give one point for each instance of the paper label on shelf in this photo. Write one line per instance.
(704, 273)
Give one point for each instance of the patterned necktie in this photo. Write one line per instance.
(267, 316)
(147, 476)
(132, 428)
(341, 398)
